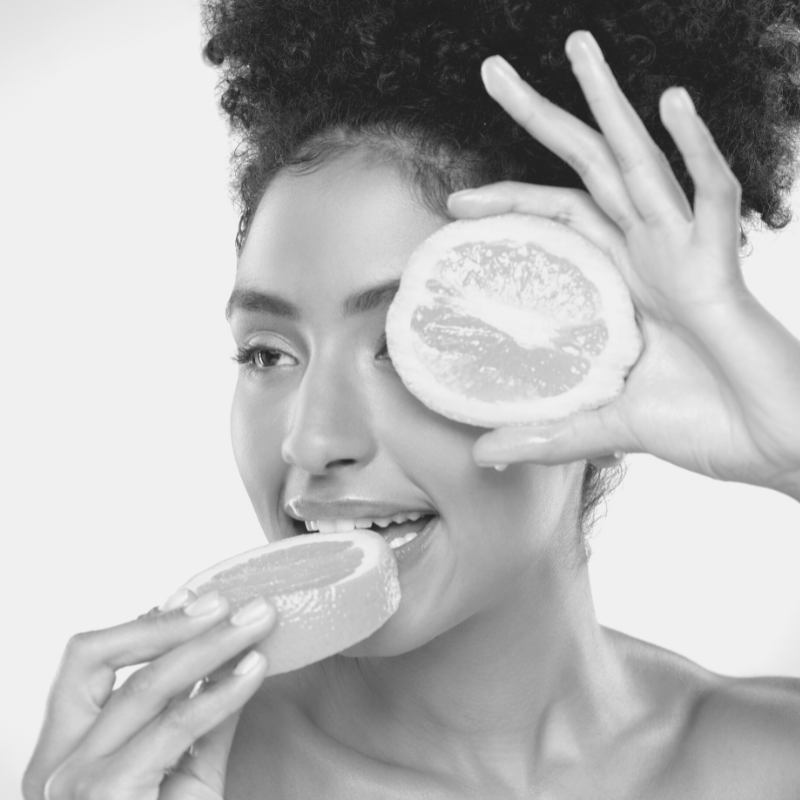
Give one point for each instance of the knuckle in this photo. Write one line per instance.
(728, 187)
(61, 785)
(80, 646)
(180, 716)
(580, 162)
(140, 683)
(627, 162)
(32, 788)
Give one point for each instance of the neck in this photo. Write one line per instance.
(528, 682)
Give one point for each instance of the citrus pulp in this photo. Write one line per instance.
(331, 590)
(511, 319)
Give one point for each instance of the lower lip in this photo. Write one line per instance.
(409, 553)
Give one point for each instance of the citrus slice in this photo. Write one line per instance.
(511, 319)
(331, 590)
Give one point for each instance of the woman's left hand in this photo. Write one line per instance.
(717, 388)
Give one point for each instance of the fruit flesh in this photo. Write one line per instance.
(330, 591)
(490, 362)
(512, 320)
(281, 571)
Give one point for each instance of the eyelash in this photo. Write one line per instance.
(246, 356)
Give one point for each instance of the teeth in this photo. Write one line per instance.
(342, 525)
(395, 543)
(336, 525)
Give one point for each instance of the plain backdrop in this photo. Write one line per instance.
(118, 482)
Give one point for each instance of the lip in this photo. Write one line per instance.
(408, 554)
(305, 509)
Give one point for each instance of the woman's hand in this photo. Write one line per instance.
(153, 737)
(717, 388)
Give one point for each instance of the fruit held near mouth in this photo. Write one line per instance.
(511, 319)
(331, 591)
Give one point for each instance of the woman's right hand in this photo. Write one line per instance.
(153, 738)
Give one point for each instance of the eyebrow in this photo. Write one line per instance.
(378, 296)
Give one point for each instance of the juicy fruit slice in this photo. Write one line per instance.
(331, 590)
(511, 319)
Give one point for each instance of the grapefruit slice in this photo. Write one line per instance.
(511, 319)
(331, 590)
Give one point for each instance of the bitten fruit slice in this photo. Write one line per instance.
(331, 591)
(511, 319)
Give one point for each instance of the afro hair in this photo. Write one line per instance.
(408, 71)
(303, 79)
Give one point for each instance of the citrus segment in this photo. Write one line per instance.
(331, 590)
(511, 319)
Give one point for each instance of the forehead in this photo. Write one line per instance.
(351, 219)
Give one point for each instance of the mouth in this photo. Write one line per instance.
(398, 530)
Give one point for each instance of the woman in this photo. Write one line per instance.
(494, 678)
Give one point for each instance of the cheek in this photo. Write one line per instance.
(256, 438)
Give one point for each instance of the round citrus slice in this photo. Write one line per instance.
(511, 319)
(331, 591)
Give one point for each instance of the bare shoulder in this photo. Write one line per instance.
(727, 737)
(749, 727)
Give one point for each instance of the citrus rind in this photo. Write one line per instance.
(316, 619)
(603, 298)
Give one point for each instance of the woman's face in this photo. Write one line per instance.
(320, 415)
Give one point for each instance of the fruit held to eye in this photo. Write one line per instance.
(331, 591)
(511, 319)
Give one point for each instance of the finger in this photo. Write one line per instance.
(165, 739)
(151, 689)
(177, 600)
(572, 207)
(86, 675)
(88, 667)
(718, 193)
(582, 147)
(138, 769)
(645, 170)
(584, 437)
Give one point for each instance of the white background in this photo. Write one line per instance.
(116, 259)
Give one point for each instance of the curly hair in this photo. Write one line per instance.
(303, 80)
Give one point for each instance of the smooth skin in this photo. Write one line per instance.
(599, 714)
(718, 387)
(132, 743)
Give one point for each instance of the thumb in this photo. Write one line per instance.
(583, 437)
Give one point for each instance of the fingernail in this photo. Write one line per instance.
(586, 42)
(175, 600)
(500, 467)
(205, 604)
(685, 101)
(499, 77)
(462, 194)
(504, 68)
(248, 663)
(254, 611)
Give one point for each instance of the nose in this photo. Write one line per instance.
(330, 421)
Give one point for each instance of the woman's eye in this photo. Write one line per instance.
(259, 358)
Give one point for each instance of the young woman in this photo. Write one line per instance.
(494, 678)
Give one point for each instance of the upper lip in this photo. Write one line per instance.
(303, 509)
